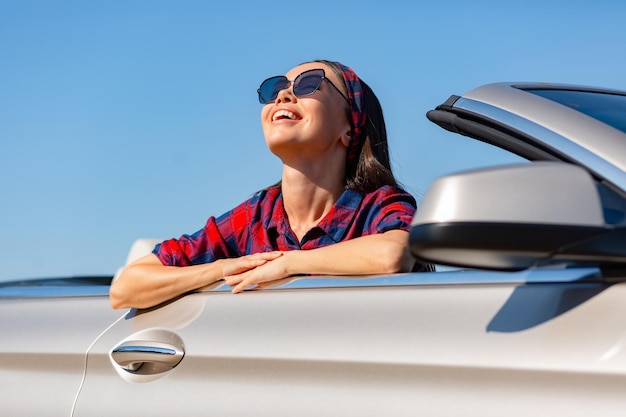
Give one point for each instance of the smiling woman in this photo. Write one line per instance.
(337, 199)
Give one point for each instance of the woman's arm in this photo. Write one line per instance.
(373, 254)
(147, 282)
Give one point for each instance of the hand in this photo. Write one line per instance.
(261, 276)
(234, 266)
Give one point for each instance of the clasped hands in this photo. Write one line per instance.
(259, 269)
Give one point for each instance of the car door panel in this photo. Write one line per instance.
(43, 351)
(370, 351)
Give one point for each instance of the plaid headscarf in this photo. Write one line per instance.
(358, 110)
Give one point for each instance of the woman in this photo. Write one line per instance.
(337, 209)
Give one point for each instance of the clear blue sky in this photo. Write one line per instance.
(128, 119)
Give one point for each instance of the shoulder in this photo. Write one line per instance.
(258, 208)
(263, 198)
(386, 208)
(389, 194)
(267, 194)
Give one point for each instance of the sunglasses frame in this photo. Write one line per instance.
(294, 83)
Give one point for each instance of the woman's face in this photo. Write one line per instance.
(311, 125)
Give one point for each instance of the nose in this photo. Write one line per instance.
(286, 95)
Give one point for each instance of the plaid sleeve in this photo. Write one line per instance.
(388, 208)
(206, 245)
(220, 238)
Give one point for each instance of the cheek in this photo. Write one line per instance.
(264, 116)
(264, 113)
(331, 114)
(337, 121)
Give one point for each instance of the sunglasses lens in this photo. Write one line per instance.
(305, 84)
(270, 88)
(308, 82)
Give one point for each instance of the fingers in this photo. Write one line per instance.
(233, 280)
(239, 265)
(273, 284)
(260, 268)
(242, 286)
(251, 278)
(245, 284)
(268, 256)
(261, 257)
(241, 281)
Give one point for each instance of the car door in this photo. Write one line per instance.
(446, 343)
(43, 348)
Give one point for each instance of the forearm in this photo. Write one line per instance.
(383, 253)
(147, 282)
(374, 254)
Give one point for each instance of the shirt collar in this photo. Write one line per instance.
(340, 217)
(336, 222)
(278, 217)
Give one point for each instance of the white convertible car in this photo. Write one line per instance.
(531, 322)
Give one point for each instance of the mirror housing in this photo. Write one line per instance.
(514, 217)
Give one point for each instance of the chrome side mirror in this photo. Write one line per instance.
(510, 217)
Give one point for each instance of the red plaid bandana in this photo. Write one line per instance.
(358, 110)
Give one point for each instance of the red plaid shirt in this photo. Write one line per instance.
(261, 225)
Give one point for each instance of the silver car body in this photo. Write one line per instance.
(548, 339)
(571, 135)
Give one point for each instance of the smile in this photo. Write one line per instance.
(283, 114)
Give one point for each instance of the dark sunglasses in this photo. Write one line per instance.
(304, 85)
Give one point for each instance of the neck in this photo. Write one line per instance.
(309, 193)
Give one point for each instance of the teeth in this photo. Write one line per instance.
(282, 114)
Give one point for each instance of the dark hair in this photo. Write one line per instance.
(372, 169)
